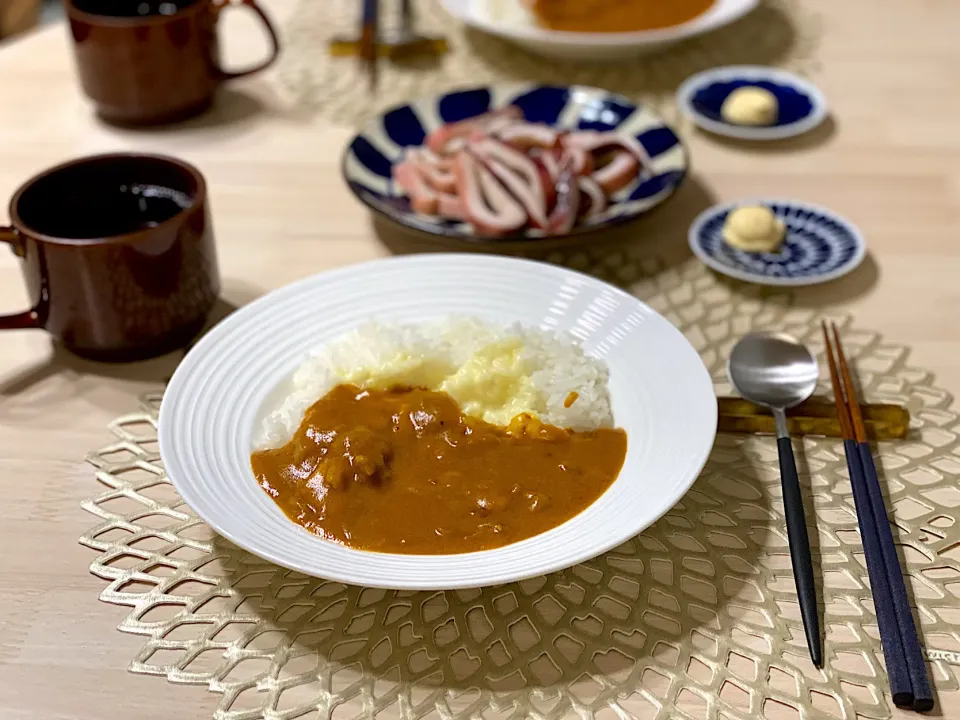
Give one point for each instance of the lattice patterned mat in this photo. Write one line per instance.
(694, 618)
(778, 33)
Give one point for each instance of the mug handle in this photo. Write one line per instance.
(30, 318)
(219, 6)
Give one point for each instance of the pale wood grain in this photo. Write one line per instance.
(891, 163)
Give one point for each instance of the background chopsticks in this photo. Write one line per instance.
(906, 669)
(369, 35)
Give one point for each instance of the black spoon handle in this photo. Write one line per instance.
(800, 549)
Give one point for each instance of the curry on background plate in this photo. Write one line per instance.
(615, 15)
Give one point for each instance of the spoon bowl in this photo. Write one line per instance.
(773, 370)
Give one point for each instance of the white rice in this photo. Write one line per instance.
(546, 366)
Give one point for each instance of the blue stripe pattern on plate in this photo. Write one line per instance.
(370, 156)
(818, 246)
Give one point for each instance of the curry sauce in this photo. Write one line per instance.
(616, 15)
(405, 471)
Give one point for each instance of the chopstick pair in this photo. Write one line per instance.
(906, 669)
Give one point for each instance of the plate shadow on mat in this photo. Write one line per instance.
(531, 636)
(858, 283)
(611, 254)
(765, 36)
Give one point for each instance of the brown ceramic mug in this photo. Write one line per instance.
(153, 61)
(118, 255)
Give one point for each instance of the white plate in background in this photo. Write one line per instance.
(510, 20)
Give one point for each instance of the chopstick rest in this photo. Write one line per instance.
(816, 416)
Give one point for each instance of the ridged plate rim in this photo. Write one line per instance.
(205, 427)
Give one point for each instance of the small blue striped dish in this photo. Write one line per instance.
(819, 245)
(802, 105)
(369, 158)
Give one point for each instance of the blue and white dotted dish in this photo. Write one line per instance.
(819, 245)
(802, 105)
(370, 156)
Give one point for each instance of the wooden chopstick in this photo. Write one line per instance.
(895, 592)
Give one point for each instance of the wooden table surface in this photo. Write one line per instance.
(890, 161)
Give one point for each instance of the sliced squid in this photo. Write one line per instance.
(524, 135)
(582, 162)
(593, 200)
(531, 199)
(451, 138)
(488, 205)
(438, 171)
(594, 141)
(618, 172)
(551, 162)
(548, 182)
(441, 161)
(452, 206)
(425, 199)
(501, 173)
(519, 174)
(564, 214)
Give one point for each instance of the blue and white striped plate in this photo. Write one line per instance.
(819, 245)
(369, 158)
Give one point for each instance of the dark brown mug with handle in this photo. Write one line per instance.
(153, 61)
(118, 255)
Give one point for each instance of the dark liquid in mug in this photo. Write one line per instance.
(119, 210)
(132, 8)
(128, 209)
(104, 197)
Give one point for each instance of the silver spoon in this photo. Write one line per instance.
(778, 372)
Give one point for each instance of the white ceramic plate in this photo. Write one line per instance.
(508, 19)
(662, 396)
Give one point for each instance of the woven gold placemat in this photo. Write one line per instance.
(777, 33)
(694, 618)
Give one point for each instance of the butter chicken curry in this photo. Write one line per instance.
(404, 471)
